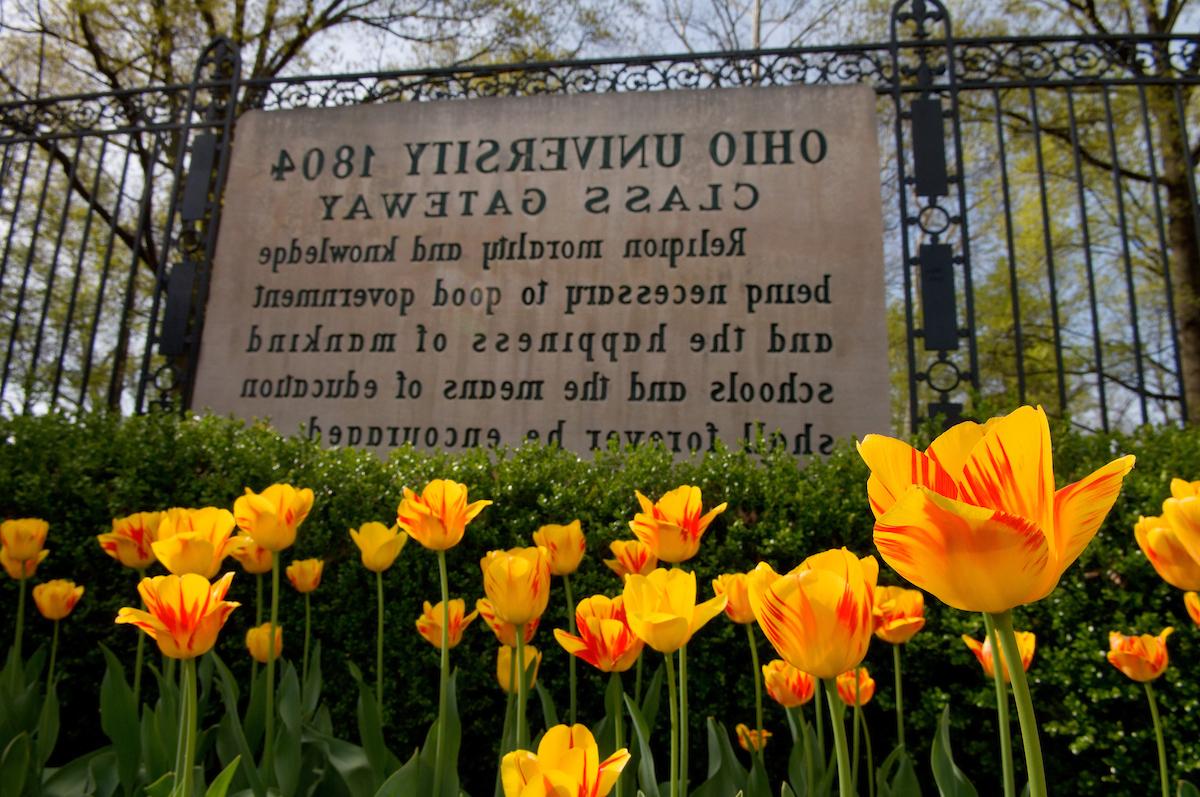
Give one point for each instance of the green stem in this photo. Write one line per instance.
(269, 747)
(20, 614)
(899, 696)
(53, 657)
(619, 733)
(758, 701)
(189, 752)
(683, 723)
(1006, 753)
(258, 612)
(307, 628)
(809, 770)
(870, 757)
(571, 626)
(444, 676)
(856, 720)
(137, 661)
(819, 720)
(637, 684)
(673, 702)
(1020, 687)
(837, 713)
(1158, 735)
(379, 645)
(180, 742)
(522, 670)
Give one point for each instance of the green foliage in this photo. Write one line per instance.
(79, 474)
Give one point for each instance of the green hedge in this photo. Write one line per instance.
(1096, 730)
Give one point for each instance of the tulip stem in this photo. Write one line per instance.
(637, 683)
(522, 673)
(53, 658)
(307, 629)
(1158, 735)
(809, 771)
(870, 757)
(758, 701)
(379, 645)
(180, 743)
(818, 720)
(269, 747)
(137, 660)
(189, 752)
(899, 696)
(1006, 753)
(672, 701)
(855, 723)
(837, 714)
(571, 625)
(619, 732)
(683, 723)
(444, 673)
(20, 613)
(258, 612)
(1020, 687)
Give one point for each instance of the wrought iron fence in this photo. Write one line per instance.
(1042, 238)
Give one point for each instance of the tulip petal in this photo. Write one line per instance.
(1010, 469)
(707, 611)
(1080, 508)
(895, 468)
(971, 558)
(952, 448)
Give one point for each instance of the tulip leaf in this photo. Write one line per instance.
(651, 699)
(287, 738)
(228, 689)
(348, 760)
(452, 742)
(786, 791)
(14, 764)
(119, 720)
(47, 734)
(757, 783)
(370, 727)
(1186, 789)
(311, 688)
(220, 786)
(902, 782)
(647, 780)
(72, 778)
(102, 774)
(549, 713)
(951, 781)
(163, 787)
(726, 775)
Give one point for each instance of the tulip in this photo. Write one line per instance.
(20, 569)
(55, 600)
(786, 685)
(1192, 602)
(429, 624)
(271, 517)
(438, 517)
(130, 539)
(517, 582)
(631, 556)
(856, 687)
(194, 540)
(254, 558)
(604, 640)
(23, 538)
(735, 587)
(506, 633)
(378, 544)
(1182, 512)
(567, 764)
(1161, 544)
(1144, 658)
(1026, 642)
(506, 667)
(673, 526)
(564, 546)
(752, 741)
(305, 574)
(257, 640)
(899, 614)
(662, 609)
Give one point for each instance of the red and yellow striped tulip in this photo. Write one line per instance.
(786, 685)
(55, 599)
(975, 520)
(564, 545)
(506, 633)
(378, 545)
(1191, 602)
(517, 582)
(735, 587)
(1026, 643)
(819, 617)
(429, 624)
(749, 738)
(271, 517)
(183, 614)
(857, 679)
(257, 640)
(1142, 658)
(254, 558)
(504, 659)
(194, 540)
(605, 640)
(130, 539)
(661, 608)
(1182, 512)
(23, 538)
(673, 526)
(1168, 556)
(438, 517)
(567, 764)
(631, 556)
(899, 613)
(18, 569)
(305, 574)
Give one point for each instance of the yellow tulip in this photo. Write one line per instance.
(23, 538)
(271, 517)
(257, 641)
(504, 658)
(899, 614)
(1143, 658)
(786, 685)
(734, 586)
(1166, 553)
(975, 520)
(254, 558)
(567, 764)
(438, 517)
(632, 556)
(605, 640)
(749, 738)
(564, 544)
(194, 540)
(662, 611)
(378, 544)
(1182, 513)
(183, 614)
(15, 567)
(305, 574)
(429, 624)
(673, 526)
(1026, 644)
(819, 617)
(857, 679)
(130, 539)
(506, 633)
(517, 582)
(1192, 602)
(55, 599)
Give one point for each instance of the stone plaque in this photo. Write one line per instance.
(680, 266)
